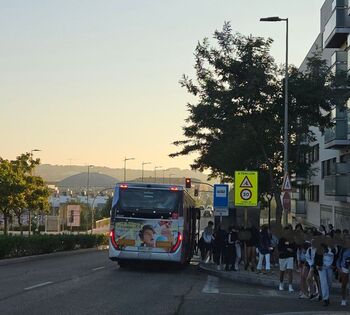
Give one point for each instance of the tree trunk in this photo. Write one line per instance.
(277, 194)
(279, 209)
(5, 224)
(20, 224)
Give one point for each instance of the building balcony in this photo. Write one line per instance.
(338, 26)
(342, 168)
(337, 185)
(298, 208)
(337, 136)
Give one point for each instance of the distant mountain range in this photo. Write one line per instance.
(53, 174)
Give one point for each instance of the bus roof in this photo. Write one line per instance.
(150, 185)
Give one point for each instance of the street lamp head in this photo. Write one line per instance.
(271, 19)
(34, 150)
(144, 163)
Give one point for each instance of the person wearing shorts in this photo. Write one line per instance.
(287, 253)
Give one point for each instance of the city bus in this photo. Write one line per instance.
(152, 222)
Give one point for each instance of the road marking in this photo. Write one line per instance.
(211, 286)
(38, 285)
(98, 268)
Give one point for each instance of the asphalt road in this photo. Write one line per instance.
(89, 283)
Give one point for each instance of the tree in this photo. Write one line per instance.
(20, 190)
(236, 122)
(8, 189)
(105, 211)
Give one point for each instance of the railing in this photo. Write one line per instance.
(337, 132)
(342, 168)
(337, 185)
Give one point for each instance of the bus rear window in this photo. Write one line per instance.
(148, 200)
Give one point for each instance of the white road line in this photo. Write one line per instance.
(211, 286)
(98, 268)
(38, 285)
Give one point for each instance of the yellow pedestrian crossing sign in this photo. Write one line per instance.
(246, 188)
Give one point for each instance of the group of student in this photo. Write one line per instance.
(319, 255)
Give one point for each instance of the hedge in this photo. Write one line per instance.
(18, 246)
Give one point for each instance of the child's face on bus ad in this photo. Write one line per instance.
(148, 238)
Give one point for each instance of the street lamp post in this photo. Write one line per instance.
(144, 163)
(155, 173)
(87, 195)
(278, 19)
(126, 159)
(31, 173)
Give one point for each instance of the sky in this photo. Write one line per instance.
(92, 82)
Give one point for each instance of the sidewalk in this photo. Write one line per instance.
(250, 277)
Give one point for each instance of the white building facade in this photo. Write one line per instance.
(327, 199)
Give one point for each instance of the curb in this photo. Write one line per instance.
(12, 261)
(243, 278)
(254, 279)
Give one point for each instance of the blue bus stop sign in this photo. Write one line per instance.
(221, 199)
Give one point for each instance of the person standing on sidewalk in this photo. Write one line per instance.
(232, 238)
(220, 237)
(208, 241)
(304, 269)
(343, 265)
(323, 262)
(251, 244)
(286, 249)
(312, 279)
(264, 249)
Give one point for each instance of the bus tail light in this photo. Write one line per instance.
(174, 188)
(123, 186)
(177, 244)
(112, 237)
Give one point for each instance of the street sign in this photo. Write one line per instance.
(246, 188)
(221, 212)
(286, 185)
(286, 201)
(73, 215)
(221, 199)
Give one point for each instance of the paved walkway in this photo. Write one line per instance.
(268, 280)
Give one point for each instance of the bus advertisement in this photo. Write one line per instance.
(152, 222)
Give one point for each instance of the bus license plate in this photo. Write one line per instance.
(144, 255)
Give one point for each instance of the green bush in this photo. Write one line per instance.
(17, 246)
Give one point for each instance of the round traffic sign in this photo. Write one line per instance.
(246, 194)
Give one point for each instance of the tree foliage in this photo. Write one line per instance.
(236, 122)
(20, 190)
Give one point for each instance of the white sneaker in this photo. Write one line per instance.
(290, 288)
(343, 303)
(303, 296)
(281, 287)
(218, 267)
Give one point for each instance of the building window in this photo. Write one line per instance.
(314, 193)
(323, 169)
(328, 167)
(314, 154)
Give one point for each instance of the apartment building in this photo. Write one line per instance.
(327, 199)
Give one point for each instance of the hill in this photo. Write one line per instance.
(56, 173)
(80, 180)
